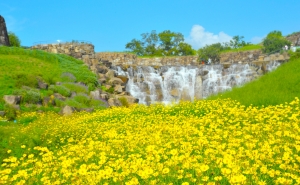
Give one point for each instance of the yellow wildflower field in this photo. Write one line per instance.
(205, 142)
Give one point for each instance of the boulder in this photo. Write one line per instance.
(116, 81)
(59, 96)
(42, 85)
(12, 99)
(102, 80)
(67, 110)
(123, 78)
(104, 96)
(95, 94)
(118, 89)
(130, 99)
(112, 102)
(110, 74)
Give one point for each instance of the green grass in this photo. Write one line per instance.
(22, 67)
(245, 48)
(274, 88)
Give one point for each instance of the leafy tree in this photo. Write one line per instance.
(274, 42)
(237, 42)
(136, 46)
(169, 41)
(13, 39)
(211, 51)
(166, 43)
(185, 49)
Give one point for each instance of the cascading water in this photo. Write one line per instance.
(172, 84)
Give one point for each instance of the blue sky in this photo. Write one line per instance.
(110, 24)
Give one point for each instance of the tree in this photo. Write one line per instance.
(274, 42)
(237, 42)
(136, 46)
(211, 51)
(166, 43)
(13, 39)
(185, 49)
(169, 41)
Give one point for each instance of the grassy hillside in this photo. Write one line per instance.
(276, 87)
(21, 69)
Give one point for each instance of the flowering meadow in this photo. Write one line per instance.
(205, 142)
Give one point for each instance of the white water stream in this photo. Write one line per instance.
(172, 84)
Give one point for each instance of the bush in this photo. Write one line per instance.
(10, 112)
(68, 77)
(14, 40)
(274, 42)
(82, 98)
(23, 79)
(29, 96)
(78, 88)
(294, 55)
(61, 90)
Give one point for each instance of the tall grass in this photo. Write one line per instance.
(276, 87)
(245, 48)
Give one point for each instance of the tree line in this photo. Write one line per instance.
(168, 43)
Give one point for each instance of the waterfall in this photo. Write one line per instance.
(174, 83)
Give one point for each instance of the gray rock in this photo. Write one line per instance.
(118, 88)
(4, 39)
(95, 94)
(112, 102)
(116, 81)
(104, 96)
(12, 99)
(42, 85)
(110, 74)
(59, 96)
(67, 110)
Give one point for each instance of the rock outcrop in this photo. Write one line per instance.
(4, 40)
(294, 39)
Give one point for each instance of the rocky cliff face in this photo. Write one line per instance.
(294, 38)
(4, 40)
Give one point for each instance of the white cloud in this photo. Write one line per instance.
(199, 37)
(256, 40)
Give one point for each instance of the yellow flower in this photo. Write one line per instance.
(8, 151)
(185, 183)
(23, 146)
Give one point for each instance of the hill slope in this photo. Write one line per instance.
(276, 87)
(22, 69)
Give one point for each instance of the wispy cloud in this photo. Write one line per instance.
(199, 37)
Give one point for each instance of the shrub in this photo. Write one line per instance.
(32, 96)
(78, 88)
(29, 96)
(61, 90)
(274, 42)
(82, 98)
(68, 77)
(294, 55)
(13, 39)
(10, 112)
(23, 79)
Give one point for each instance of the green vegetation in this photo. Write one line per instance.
(274, 42)
(274, 88)
(244, 48)
(14, 39)
(213, 51)
(22, 69)
(166, 43)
